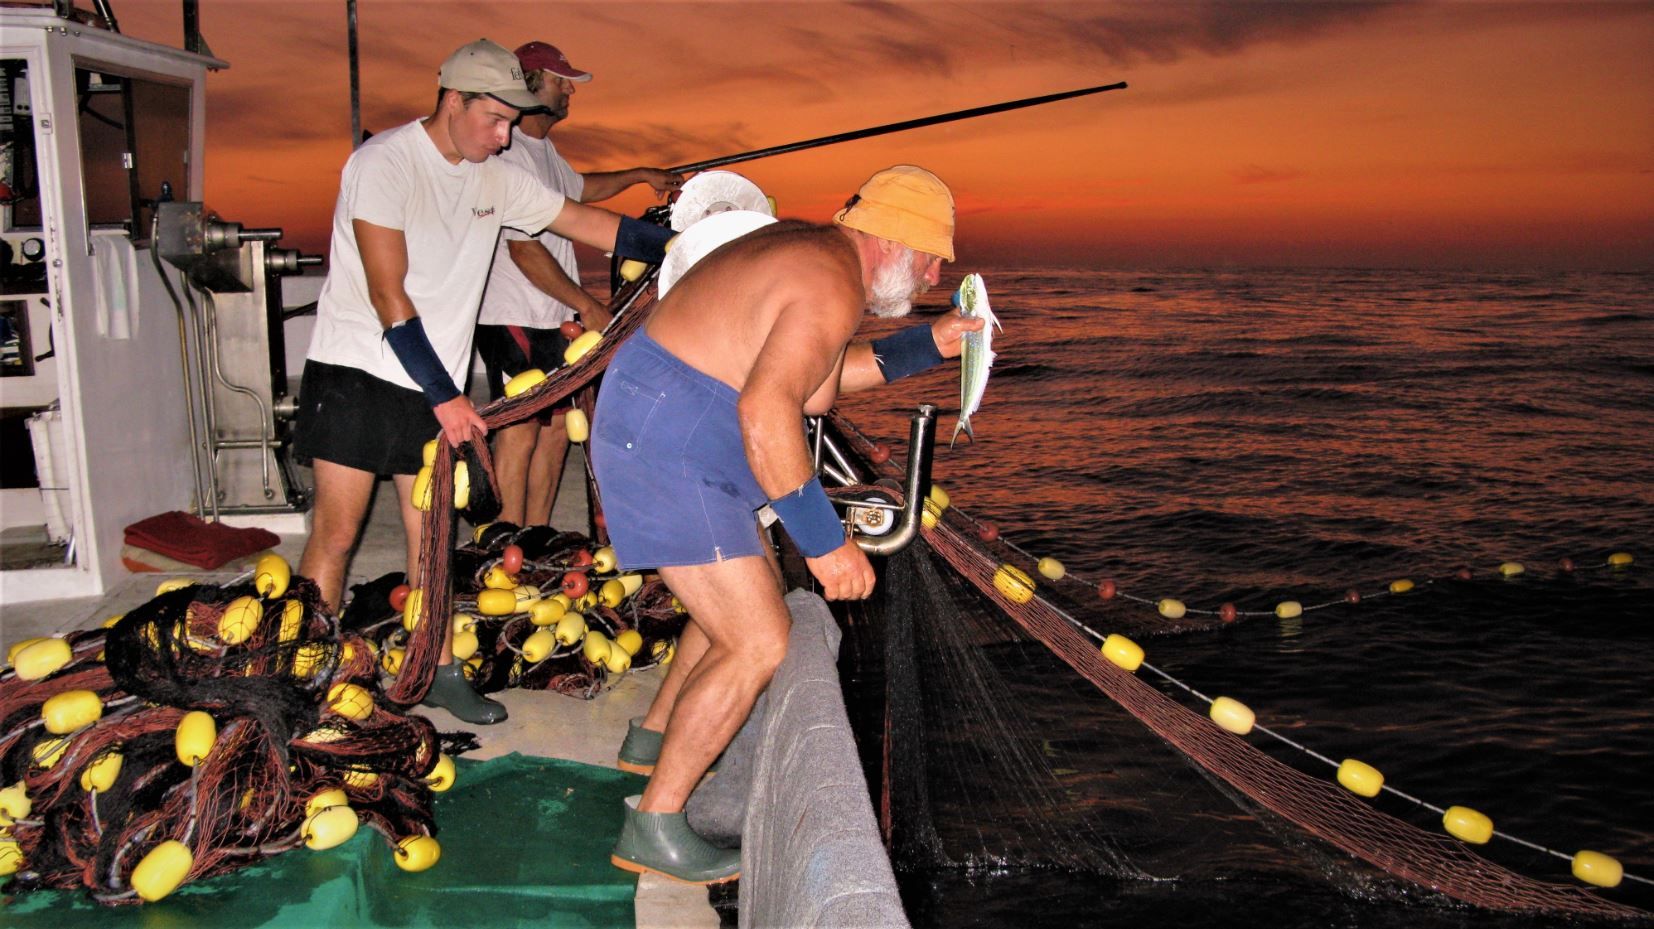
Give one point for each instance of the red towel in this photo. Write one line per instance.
(194, 541)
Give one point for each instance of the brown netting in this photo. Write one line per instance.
(1318, 807)
(278, 744)
(630, 306)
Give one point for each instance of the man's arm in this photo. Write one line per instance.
(543, 271)
(623, 235)
(861, 368)
(384, 254)
(601, 185)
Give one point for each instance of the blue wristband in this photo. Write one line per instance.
(907, 352)
(810, 519)
(413, 349)
(643, 241)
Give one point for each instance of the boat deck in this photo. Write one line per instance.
(542, 723)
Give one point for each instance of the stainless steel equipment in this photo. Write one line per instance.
(235, 371)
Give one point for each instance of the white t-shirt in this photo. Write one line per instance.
(451, 216)
(511, 299)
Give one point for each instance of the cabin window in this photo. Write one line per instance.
(19, 171)
(134, 138)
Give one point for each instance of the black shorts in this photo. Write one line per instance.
(349, 417)
(503, 357)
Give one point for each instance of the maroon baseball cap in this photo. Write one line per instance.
(538, 56)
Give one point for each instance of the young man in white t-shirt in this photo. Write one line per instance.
(420, 208)
(534, 289)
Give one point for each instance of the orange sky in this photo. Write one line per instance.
(1462, 134)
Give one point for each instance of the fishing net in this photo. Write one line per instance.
(559, 593)
(290, 698)
(434, 601)
(302, 702)
(961, 698)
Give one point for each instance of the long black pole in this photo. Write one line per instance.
(894, 127)
(355, 80)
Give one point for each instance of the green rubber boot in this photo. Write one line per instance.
(452, 692)
(663, 843)
(641, 749)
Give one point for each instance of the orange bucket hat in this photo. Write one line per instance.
(905, 204)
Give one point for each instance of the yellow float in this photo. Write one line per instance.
(271, 575)
(576, 424)
(1123, 652)
(100, 775)
(41, 658)
(1467, 825)
(196, 735)
(240, 620)
(1597, 868)
(1233, 715)
(1013, 584)
(70, 710)
(161, 871)
(582, 344)
(1360, 778)
(442, 776)
(524, 382)
(417, 853)
(330, 828)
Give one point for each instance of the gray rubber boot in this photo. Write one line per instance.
(663, 843)
(452, 692)
(641, 749)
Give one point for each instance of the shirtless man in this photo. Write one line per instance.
(699, 426)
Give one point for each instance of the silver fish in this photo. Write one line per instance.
(977, 357)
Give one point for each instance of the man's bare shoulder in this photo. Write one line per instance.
(797, 242)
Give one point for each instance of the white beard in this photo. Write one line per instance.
(894, 285)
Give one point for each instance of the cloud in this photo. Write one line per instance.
(1258, 174)
(602, 147)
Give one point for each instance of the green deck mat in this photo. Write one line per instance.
(525, 842)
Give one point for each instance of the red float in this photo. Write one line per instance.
(987, 532)
(1567, 565)
(1463, 573)
(879, 455)
(1107, 590)
(1352, 595)
(581, 559)
(572, 330)
(575, 584)
(1227, 612)
(399, 596)
(512, 559)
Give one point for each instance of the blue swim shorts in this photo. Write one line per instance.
(671, 470)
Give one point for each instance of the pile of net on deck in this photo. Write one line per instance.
(970, 750)
(538, 609)
(215, 726)
(572, 655)
(198, 733)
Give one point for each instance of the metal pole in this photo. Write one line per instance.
(355, 81)
(894, 127)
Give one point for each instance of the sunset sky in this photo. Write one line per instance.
(1429, 134)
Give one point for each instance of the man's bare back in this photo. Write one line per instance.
(718, 318)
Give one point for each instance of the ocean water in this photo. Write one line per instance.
(1259, 436)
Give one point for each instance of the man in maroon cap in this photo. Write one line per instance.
(534, 288)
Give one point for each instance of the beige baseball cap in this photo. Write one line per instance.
(484, 67)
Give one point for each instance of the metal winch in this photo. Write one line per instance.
(234, 357)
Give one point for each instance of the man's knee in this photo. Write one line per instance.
(763, 654)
